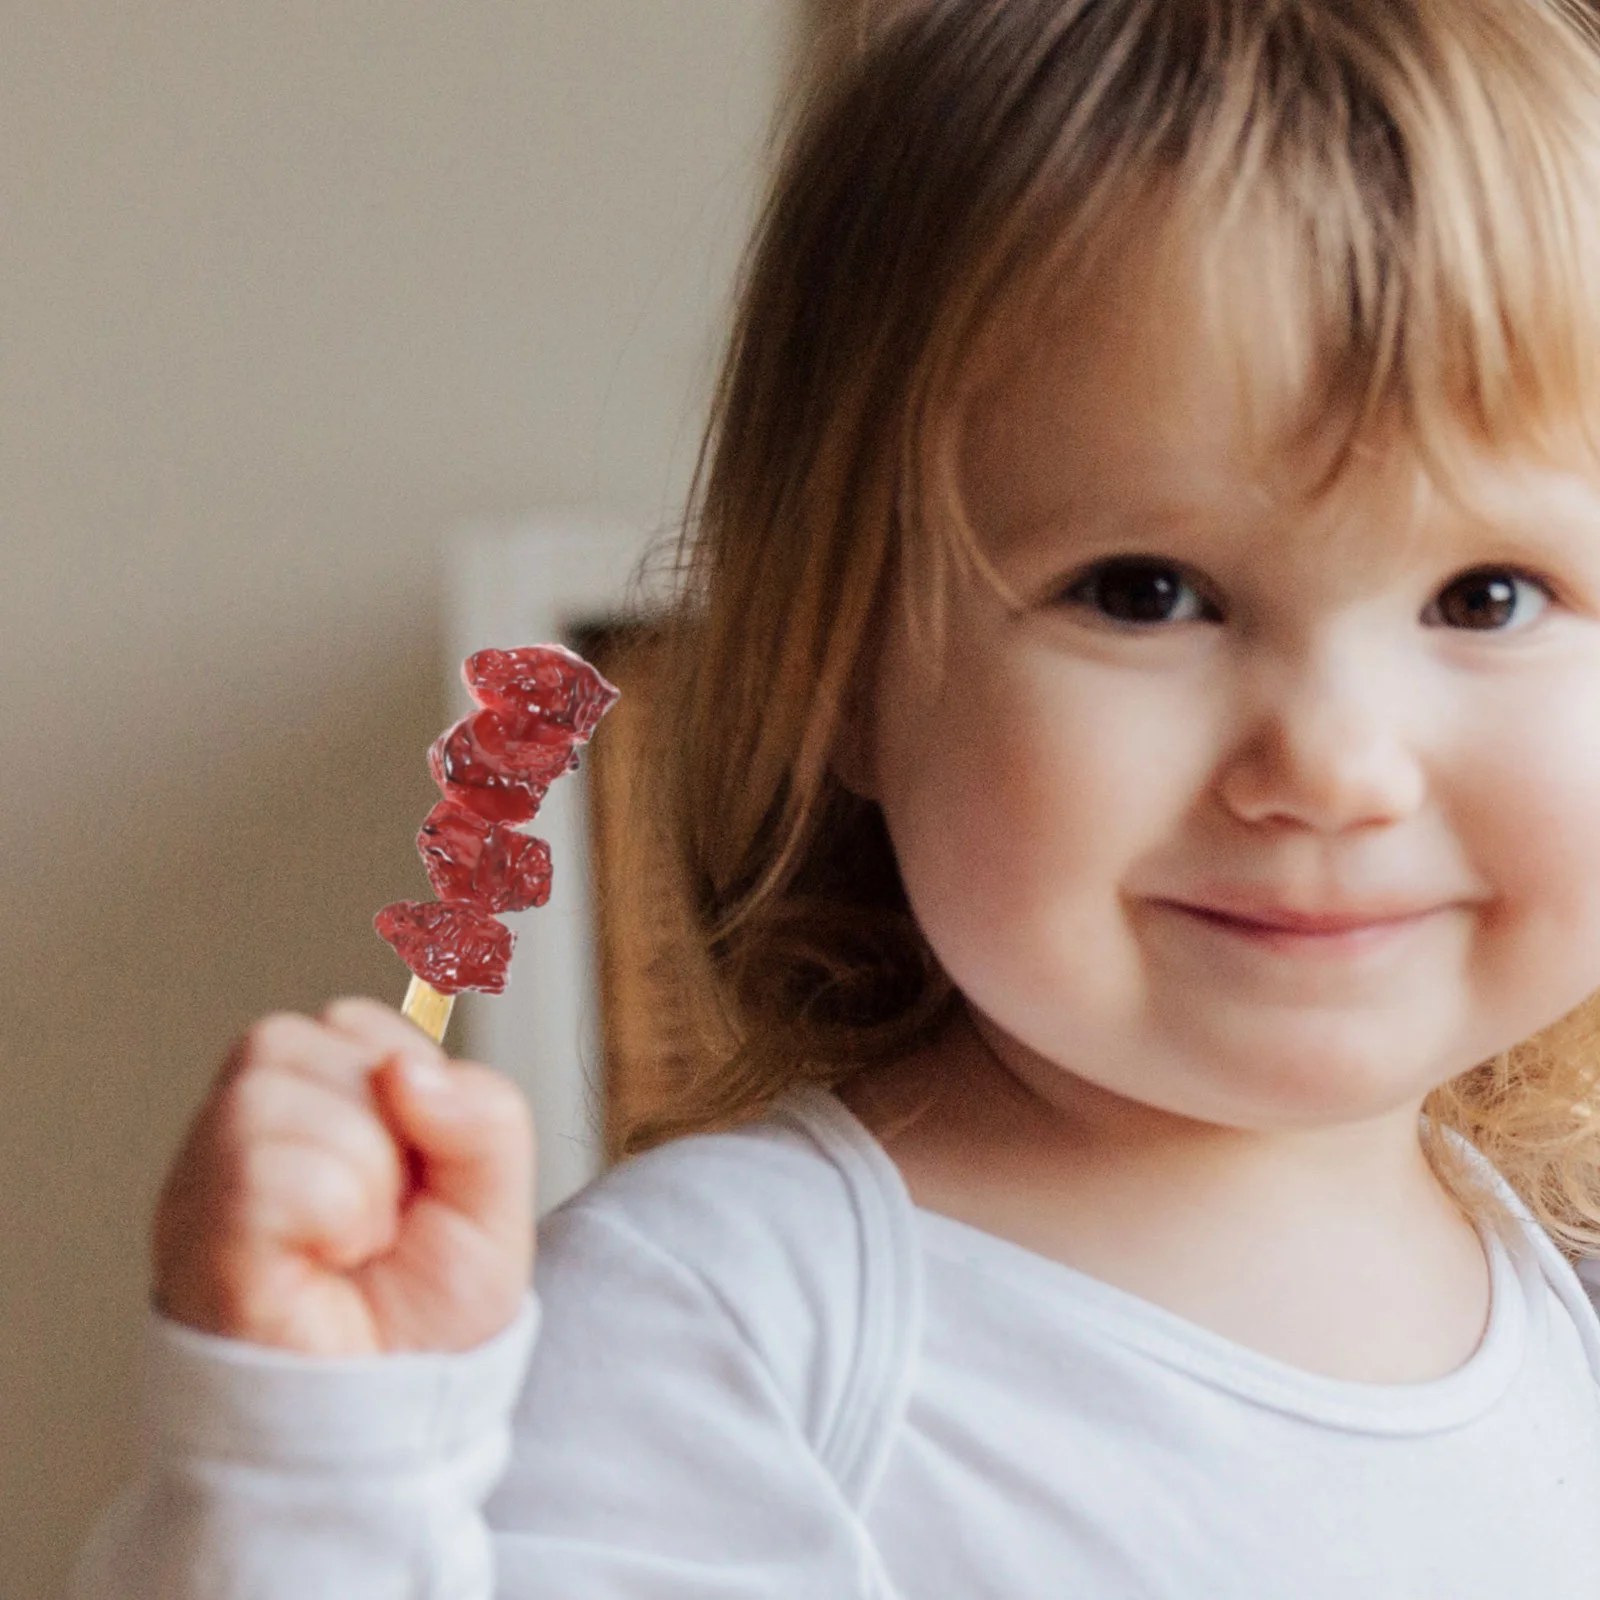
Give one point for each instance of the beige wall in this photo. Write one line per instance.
(286, 291)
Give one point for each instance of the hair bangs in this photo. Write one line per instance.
(1398, 243)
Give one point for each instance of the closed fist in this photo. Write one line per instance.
(345, 1190)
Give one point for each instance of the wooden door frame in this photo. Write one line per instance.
(531, 581)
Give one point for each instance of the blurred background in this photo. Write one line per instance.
(288, 293)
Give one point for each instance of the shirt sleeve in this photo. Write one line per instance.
(265, 1473)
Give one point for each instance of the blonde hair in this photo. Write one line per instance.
(1418, 182)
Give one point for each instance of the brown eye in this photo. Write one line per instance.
(1487, 600)
(1139, 592)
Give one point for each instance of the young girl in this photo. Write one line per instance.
(1134, 751)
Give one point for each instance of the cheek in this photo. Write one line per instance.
(1017, 801)
(1528, 812)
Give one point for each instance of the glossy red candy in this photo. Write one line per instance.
(452, 947)
(483, 864)
(546, 679)
(494, 768)
(500, 764)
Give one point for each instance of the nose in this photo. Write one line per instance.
(1327, 742)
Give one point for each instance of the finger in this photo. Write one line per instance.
(307, 1197)
(277, 1103)
(472, 1136)
(287, 1040)
(378, 1027)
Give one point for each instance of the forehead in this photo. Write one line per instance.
(1135, 410)
(1129, 384)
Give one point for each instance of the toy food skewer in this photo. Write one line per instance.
(537, 705)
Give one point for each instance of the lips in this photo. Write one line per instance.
(1252, 911)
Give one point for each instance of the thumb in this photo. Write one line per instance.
(470, 1135)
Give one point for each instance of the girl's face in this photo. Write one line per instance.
(1219, 700)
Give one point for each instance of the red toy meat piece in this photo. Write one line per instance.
(452, 947)
(545, 679)
(484, 864)
(538, 705)
(499, 765)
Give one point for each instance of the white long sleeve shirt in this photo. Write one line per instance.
(758, 1370)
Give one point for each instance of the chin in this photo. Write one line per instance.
(1284, 1071)
(1316, 1084)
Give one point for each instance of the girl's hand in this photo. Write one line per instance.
(345, 1190)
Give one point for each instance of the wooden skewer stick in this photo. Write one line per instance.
(429, 1009)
